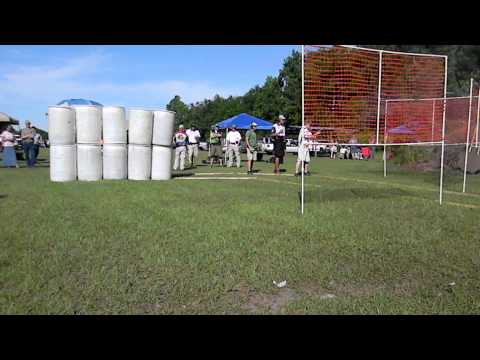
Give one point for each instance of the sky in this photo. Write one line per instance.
(34, 77)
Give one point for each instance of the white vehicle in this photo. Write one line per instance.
(203, 145)
(266, 145)
(292, 146)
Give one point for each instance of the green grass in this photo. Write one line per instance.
(380, 246)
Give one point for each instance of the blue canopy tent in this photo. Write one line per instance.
(401, 130)
(243, 122)
(70, 102)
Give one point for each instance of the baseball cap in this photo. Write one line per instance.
(253, 124)
(181, 127)
(234, 126)
(281, 117)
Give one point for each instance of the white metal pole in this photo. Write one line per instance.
(468, 136)
(443, 130)
(433, 119)
(379, 94)
(384, 141)
(303, 127)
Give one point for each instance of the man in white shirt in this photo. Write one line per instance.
(233, 145)
(278, 136)
(193, 141)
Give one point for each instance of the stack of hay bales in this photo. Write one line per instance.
(63, 150)
(114, 143)
(163, 129)
(90, 143)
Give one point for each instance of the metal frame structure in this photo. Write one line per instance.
(384, 144)
(469, 142)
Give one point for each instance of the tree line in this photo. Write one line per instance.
(282, 93)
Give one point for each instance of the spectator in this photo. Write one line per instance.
(7, 140)
(303, 151)
(366, 152)
(251, 142)
(334, 149)
(180, 144)
(37, 142)
(355, 150)
(233, 145)
(372, 140)
(278, 136)
(216, 152)
(27, 135)
(193, 142)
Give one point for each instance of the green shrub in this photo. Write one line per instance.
(408, 155)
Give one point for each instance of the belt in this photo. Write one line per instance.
(193, 143)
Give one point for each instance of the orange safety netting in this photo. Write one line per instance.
(422, 120)
(342, 88)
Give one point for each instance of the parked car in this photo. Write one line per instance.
(291, 146)
(266, 145)
(203, 145)
(18, 147)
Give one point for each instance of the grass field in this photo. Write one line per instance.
(366, 245)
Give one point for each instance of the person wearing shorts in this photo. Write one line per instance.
(278, 136)
(251, 142)
(216, 151)
(303, 151)
(180, 141)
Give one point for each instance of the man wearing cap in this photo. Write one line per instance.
(251, 142)
(278, 136)
(216, 145)
(180, 143)
(233, 145)
(193, 142)
(27, 136)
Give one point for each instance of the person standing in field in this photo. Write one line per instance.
(27, 135)
(37, 142)
(193, 143)
(216, 151)
(355, 150)
(251, 142)
(7, 140)
(278, 136)
(233, 145)
(180, 142)
(303, 151)
(333, 148)
(372, 148)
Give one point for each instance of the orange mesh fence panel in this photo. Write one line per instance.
(413, 121)
(342, 85)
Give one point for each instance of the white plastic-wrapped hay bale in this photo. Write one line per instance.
(163, 127)
(161, 163)
(114, 125)
(115, 161)
(140, 126)
(89, 162)
(89, 124)
(139, 162)
(61, 125)
(63, 163)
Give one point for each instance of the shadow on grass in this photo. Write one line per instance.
(319, 195)
(3, 196)
(182, 174)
